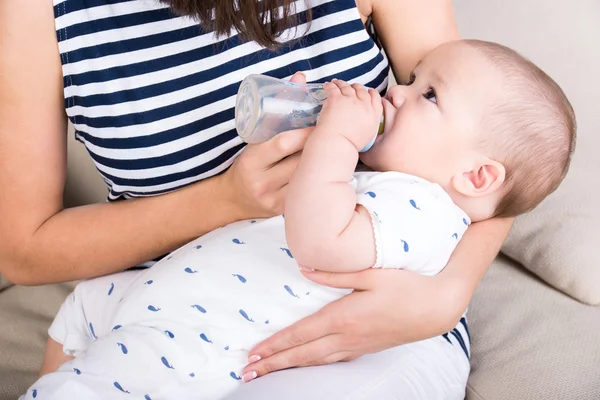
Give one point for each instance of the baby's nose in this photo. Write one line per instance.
(397, 95)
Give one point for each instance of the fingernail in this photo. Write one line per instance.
(305, 269)
(303, 74)
(248, 376)
(253, 359)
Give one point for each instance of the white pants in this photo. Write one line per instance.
(431, 369)
(414, 371)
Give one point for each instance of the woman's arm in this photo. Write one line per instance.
(358, 324)
(471, 259)
(39, 241)
(409, 29)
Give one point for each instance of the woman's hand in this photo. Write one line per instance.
(257, 180)
(388, 308)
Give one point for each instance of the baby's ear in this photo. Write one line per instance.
(484, 177)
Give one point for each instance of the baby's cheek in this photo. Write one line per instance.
(416, 163)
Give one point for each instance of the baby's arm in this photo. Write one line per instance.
(325, 228)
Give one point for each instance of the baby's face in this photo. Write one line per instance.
(432, 125)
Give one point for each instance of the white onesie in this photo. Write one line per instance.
(183, 328)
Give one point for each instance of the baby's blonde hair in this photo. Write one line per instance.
(531, 131)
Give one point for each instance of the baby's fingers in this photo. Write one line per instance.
(361, 92)
(375, 99)
(344, 87)
(331, 89)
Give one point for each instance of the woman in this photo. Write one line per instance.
(151, 95)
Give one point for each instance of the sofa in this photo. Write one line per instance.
(535, 317)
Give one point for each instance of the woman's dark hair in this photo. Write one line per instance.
(259, 21)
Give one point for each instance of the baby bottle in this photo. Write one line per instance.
(266, 106)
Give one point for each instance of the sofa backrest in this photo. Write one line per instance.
(84, 184)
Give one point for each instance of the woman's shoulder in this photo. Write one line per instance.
(38, 14)
(28, 42)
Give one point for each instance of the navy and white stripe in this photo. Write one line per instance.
(151, 94)
(460, 336)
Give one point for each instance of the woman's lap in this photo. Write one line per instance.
(431, 369)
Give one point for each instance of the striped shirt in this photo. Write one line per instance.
(151, 94)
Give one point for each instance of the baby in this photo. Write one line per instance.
(478, 133)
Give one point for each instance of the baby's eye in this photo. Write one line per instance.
(430, 95)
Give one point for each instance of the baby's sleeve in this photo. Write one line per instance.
(416, 225)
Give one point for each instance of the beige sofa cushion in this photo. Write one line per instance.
(531, 342)
(3, 283)
(25, 314)
(559, 240)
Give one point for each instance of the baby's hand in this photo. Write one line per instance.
(351, 111)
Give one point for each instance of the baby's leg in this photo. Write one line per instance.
(83, 316)
(143, 362)
(430, 369)
(54, 357)
(135, 360)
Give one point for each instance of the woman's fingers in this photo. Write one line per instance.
(282, 171)
(256, 178)
(281, 146)
(332, 358)
(361, 280)
(299, 78)
(349, 357)
(304, 331)
(309, 353)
